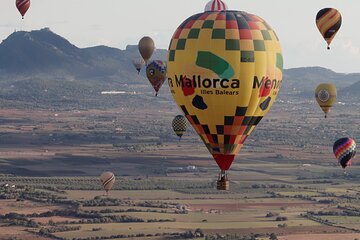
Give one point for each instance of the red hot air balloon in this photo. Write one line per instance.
(23, 6)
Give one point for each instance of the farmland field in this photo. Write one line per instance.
(161, 214)
(165, 189)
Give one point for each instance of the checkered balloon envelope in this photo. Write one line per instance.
(179, 125)
(225, 71)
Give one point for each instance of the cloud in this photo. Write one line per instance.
(7, 25)
(351, 48)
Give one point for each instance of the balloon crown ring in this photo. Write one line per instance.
(216, 5)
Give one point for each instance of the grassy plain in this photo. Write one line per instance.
(285, 180)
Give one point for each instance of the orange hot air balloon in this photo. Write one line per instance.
(23, 6)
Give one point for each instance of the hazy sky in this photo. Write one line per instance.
(117, 23)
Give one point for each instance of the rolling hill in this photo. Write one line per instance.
(42, 68)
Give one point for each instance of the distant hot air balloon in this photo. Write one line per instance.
(138, 63)
(225, 71)
(344, 150)
(179, 125)
(146, 48)
(216, 5)
(23, 6)
(325, 95)
(328, 21)
(156, 73)
(107, 180)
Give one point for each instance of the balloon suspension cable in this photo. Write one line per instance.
(223, 175)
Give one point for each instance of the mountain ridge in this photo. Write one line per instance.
(53, 64)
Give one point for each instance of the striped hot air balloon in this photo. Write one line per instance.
(23, 6)
(216, 5)
(345, 150)
(179, 125)
(107, 180)
(328, 21)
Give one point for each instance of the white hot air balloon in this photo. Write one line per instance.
(107, 180)
(138, 63)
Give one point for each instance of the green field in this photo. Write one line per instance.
(273, 206)
(283, 181)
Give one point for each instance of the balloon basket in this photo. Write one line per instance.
(223, 183)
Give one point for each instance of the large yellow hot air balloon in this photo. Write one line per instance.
(325, 95)
(328, 21)
(107, 180)
(225, 71)
(146, 48)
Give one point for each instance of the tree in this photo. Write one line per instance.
(199, 233)
(273, 236)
